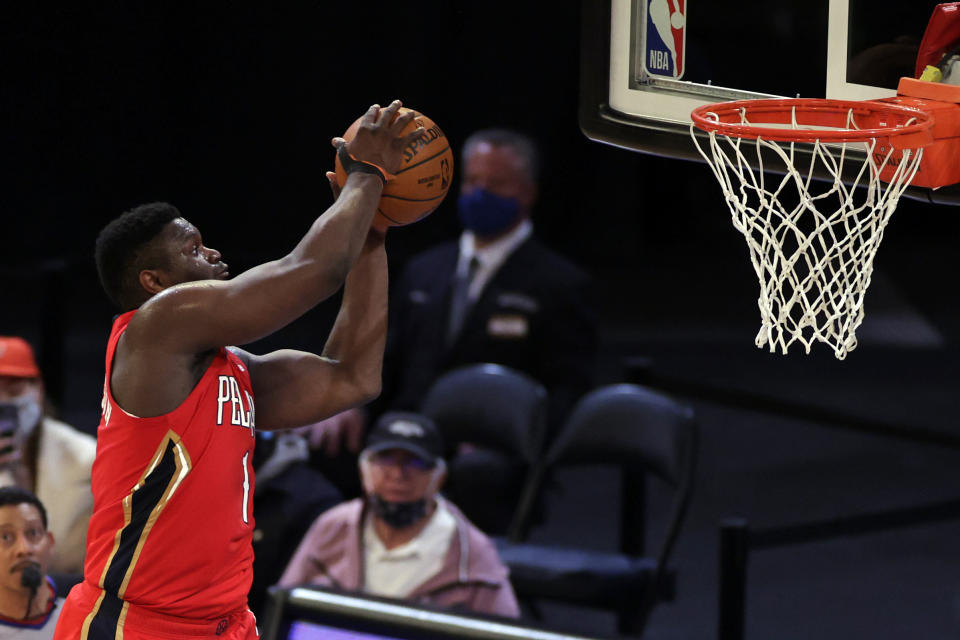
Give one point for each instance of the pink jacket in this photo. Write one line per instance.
(472, 577)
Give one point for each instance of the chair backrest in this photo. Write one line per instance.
(491, 406)
(627, 424)
(638, 430)
(632, 427)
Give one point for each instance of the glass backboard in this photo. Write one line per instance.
(646, 64)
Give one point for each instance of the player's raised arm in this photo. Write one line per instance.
(293, 388)
(196, 316)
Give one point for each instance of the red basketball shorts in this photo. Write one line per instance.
(137, 623)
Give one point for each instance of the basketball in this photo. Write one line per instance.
(422, 181)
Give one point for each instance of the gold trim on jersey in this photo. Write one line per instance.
(85, 629)
(182, 466)
(121, 620)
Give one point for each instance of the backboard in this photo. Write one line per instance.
(646, 64)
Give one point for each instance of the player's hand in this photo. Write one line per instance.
(339, 432)
(378, 139)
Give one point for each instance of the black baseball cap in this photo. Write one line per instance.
(411, 432)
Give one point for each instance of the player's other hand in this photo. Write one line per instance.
(378, 139)
(343, 431)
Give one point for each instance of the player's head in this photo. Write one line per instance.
(21, 387)
(499, 187)
(402, 468)
(149, 249)
(24, 539)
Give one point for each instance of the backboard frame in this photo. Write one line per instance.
(666, 136)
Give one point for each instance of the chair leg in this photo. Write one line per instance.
(631, 620)
(533, 607)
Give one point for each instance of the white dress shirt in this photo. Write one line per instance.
(490, 257)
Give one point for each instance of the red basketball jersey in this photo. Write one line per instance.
(172, 520)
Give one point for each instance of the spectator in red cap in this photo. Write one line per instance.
(43, 455)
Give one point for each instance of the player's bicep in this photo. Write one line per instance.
(195, 316)
(295, 388)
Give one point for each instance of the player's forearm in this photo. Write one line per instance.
(334, 241)
(270, 296)
(359, 334)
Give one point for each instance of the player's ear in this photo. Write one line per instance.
(153, 281)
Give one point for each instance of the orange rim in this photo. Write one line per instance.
(824, 120)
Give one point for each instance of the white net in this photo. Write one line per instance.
(812, 242)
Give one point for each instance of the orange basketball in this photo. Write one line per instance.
(421, 183)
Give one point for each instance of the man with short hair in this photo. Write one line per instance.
(402, 539)
(169, 550)
(29, 607)
(43, 455)
(497, 294)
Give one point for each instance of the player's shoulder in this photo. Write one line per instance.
(170, 300)
(161, 320)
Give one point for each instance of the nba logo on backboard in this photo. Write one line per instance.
(666, 37)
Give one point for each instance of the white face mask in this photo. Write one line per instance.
(28, 417)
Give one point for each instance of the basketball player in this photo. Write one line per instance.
(169, 543)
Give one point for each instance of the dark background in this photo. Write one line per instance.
(227, 111)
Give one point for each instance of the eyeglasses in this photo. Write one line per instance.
(403, 459)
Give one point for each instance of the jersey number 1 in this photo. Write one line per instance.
(246, 489)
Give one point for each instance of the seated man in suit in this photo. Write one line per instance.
(495, 295)
(402, 539)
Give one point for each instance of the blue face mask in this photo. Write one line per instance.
(485, 213)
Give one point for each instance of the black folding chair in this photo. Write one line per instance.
(642, 432)
(493, 420)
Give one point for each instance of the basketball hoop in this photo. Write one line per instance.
(814, 231)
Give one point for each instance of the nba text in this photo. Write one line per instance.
(659, 60)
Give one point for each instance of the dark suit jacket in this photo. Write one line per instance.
(534, 315)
